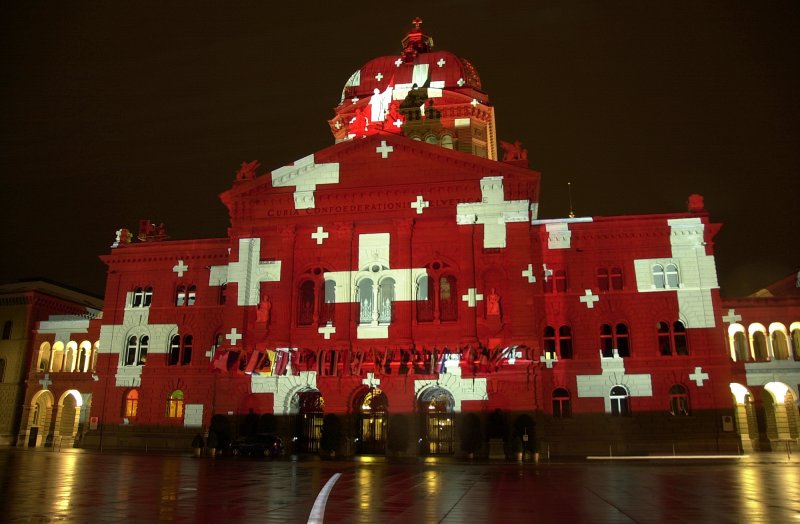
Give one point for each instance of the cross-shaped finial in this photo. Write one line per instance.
(417, 22)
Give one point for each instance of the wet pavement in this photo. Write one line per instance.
(77, 486)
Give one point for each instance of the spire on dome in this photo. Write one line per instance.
(416, 42)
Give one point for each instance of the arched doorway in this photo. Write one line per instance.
(372, 422)
(309, 421)
(66, 426)
(40, 413)
(436, 408)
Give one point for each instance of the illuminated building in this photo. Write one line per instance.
(402, 280)
(37, 306)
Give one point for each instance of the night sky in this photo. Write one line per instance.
(114, 112)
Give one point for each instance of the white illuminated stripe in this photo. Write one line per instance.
(318, 511)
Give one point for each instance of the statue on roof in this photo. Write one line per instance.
(247, 171)
(513, 151)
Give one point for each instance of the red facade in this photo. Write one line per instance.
(400, 280)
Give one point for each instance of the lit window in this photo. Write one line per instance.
(562, 407)
(619, 402)
(132, 403)
(175, 404)
(739, 347)
(44, 357)
(678, 401)
(796, 342)
(780, 346)
(760, 346)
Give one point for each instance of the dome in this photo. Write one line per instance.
(423, 94)
(440, 69)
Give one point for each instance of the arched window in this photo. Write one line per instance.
(70, 356)
(623, 342)
(57, 358)
(796, 342)
(678, 401)
(84, 356)
(562, 406)
(602, 279)
(7, 330)
(780, 347)
(148, 297)
(447, 141)
(365, 300)
(565, 342)
(425, 299)
(431, 139)
(739, 347)
(448, 298)
(616, 278)
(175, 404)
(93, 357)
(659, 281)
(223, 294)
(607, 340)
(327, 310)
(305, 303)
(144, 344)
(672, 276)
(132, 403)
(186, 354)
(180, 295)
(760, 346)
(619, 401)
(130, 352)
(386, 300)
(174, 350)
(43, 363)
(191, 295)
(672, 339)
(549, 342)
(138, 297)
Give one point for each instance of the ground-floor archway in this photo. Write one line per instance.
(37, 418)
(768, 421)
(438, 429)
(308, 424)
(372, 422)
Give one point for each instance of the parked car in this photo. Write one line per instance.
(262, 445)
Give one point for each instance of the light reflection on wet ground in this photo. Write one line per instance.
(74, 486)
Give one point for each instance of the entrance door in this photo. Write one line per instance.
(437, 408)
(372, 423)
(309, 422)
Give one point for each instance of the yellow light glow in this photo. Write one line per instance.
(739, 392)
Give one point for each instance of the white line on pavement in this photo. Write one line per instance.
(318, 510)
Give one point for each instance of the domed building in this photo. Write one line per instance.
(397, 293)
